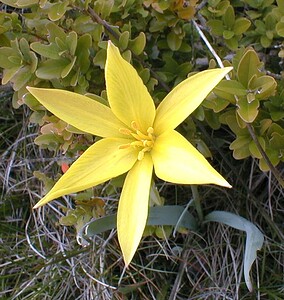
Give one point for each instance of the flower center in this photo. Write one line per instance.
(142, 141)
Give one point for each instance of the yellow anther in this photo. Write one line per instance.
(135, 135)
(134, 125)
(137, 143)
(150, 130)
(125, 131)
(142, 135)
(149, 144)
(141, 155)
(143, 142)
(124, 146)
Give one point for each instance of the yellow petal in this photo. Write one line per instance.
(80, 111)
(128, 97)
(99, 163)
(176, 160)
(185, 98)
(133, 207)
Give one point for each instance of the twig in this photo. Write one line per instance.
(211, 49)
(116, 35)
(274, 171)
(99, 20)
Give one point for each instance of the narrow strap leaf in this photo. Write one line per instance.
(254, 238)
(158, 215)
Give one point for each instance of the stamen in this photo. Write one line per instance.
(125, 131)
(141, 141)
(134, 125)
(124, 146)
(150, 130)
(149, 144)
(142, 135)
(139, 135)
(137, 143)
(141, 155)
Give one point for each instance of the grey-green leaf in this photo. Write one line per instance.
(158, 216)
(254, 238)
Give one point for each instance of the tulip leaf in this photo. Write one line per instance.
(158, 216)
(254, 238)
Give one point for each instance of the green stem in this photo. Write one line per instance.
(197, 202)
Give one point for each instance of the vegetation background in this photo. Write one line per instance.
(239, 128)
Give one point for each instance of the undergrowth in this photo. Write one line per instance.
(41, 259)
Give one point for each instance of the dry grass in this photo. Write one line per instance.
(41, 259)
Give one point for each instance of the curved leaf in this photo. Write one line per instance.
(158, 215)
(254, 238)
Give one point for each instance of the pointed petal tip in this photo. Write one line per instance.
(126, 262)
(221, 181)
(227, 185)
(227, 69)
(41, 202)
(127, 256)
(36, 206)
(111, 46)
(31, 88)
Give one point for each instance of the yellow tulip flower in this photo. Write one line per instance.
(136, 137)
